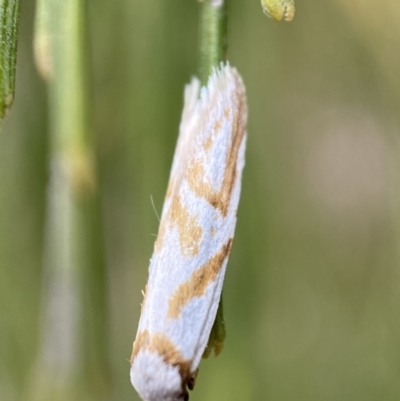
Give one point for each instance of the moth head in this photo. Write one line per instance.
(155, 380)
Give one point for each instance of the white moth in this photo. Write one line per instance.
(194, 240)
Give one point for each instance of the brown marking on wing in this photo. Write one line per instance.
(197, 283)
(141, 342)
(195, 178)
(160, 344)
(190, 233)
(195, 173)
(209, 141)
(227, 112)
(217, 127)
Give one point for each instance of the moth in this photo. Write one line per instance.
(278, 9)
(194, 240)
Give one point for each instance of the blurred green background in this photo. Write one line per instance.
(312, 292)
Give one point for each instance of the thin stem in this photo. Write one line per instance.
(213, 45)
(213, 36)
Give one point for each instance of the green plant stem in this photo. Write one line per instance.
(213, 45)
(9, 21)
(213, 36)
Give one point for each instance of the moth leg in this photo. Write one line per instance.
(192, 379)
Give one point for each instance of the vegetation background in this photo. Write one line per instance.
(312, 292)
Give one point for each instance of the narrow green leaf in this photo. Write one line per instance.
(9, 19)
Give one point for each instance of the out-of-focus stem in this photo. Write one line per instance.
(42, 39)
(62, 58)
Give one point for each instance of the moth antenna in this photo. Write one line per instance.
(154, 208)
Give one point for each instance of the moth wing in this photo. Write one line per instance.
(199, 215)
